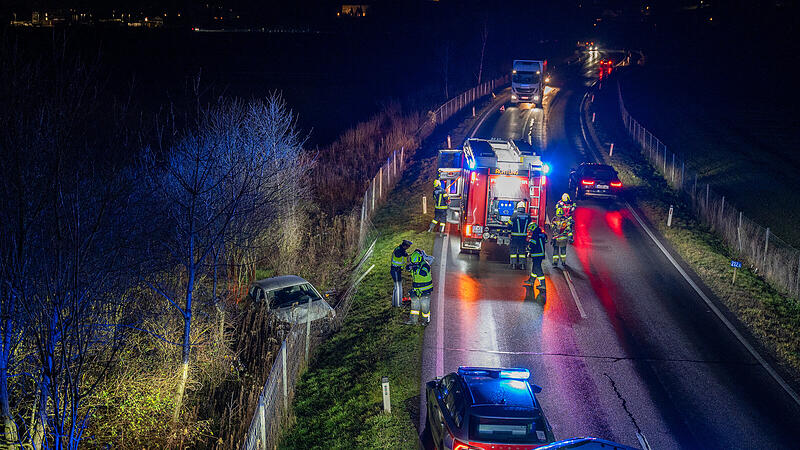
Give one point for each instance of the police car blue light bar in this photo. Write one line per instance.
(516, 373)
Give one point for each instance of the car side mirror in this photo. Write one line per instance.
(536, 388)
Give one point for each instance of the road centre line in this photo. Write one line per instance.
(716, 310)
(440, 309)
(574, 294)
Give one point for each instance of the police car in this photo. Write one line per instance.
(481, 408)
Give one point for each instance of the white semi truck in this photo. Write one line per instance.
(527, 81)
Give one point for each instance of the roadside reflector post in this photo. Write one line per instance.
(473, 110)
(611, 150)
(424, 205)
(669, 217)
(766, 246)
(449, 144)
(593, 114)
(592, 98)
(739, 231)
(387, 404)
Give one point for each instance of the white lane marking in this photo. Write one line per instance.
(440, 310)
(574, 294)
(716, 310)
(643, 441)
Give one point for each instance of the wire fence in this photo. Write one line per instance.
(272, 415)
(388, 175)
(766, 254)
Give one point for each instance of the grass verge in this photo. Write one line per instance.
(773, 318)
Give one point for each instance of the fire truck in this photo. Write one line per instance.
(486, 180)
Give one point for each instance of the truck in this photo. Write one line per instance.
(486, 179)
(527, 81)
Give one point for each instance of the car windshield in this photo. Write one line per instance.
(299, 293)
(603, 172)
(525, 78)
(506, 431)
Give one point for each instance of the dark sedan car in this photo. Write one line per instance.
(594, 180)
(481, 408)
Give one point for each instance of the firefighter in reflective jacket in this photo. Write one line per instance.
(399, 256)
(422, 286)
(561, 227)
(440, 201)
(567, 207)
(536, 241)
(519, 230)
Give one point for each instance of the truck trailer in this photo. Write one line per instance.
(486, 180)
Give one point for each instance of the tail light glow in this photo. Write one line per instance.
(616, 184)
(587, 182)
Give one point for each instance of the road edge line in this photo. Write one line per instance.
(775, 375)
(440, 309)
(574, 294)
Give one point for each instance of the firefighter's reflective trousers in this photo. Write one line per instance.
(516, 250)
(537, 272)
(397, 292)
(420, 306)
(560, 249)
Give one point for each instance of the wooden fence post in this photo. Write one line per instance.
(766, 246)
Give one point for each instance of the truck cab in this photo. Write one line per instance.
(527, 81)
(488, 178)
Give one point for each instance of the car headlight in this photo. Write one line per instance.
(513, 96)
(536, 97)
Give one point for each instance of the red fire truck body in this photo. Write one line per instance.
(486, 180)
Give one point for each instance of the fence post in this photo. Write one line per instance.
(402, 159)
(673, 168)
(380, 183)
(285, 385)
(424, 205)
(797, 281)
(665, 161)
(694, 188)
(363, 218)
(262, 420)
(394, 164)
(373, 196)
(681, 174)
(722, 208)
(308, 329)
(739, 231)
(766, 246)
(708, 188)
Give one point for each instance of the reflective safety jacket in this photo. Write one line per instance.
(422, 281)
(399, 256)
(561, 231)
(440, 199)
(536, 241)
(519, 224)
(567, 207)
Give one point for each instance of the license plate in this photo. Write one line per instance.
(602, 186)
(477, 229)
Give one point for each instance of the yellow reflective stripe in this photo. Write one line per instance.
(426, 315)
(414, 312)
(517, 234)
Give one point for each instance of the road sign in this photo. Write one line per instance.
(736, 264)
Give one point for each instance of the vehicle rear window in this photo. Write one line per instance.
(602, 172)
(506, 431)
(290, 295)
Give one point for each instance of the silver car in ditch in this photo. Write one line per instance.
(288, 296)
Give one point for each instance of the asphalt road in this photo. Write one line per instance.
(623, 345)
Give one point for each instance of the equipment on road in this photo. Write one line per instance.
(399, 256)
(489, 178)
(527, 81)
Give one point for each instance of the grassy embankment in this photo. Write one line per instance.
(338, 402)
(768, 315)
(744, 148)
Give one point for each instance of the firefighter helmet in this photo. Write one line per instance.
(416, 257)
(521, 206)
(437, 183)
(565, 197)
(559, 211)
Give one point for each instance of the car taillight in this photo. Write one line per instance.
(587, 182)
(616, 184)
(458, 445)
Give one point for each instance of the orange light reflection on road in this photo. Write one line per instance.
(467, 288)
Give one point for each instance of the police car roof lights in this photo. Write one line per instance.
(516, 373)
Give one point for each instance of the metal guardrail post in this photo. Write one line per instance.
(285, 383)
(380, 183)
(263, 421)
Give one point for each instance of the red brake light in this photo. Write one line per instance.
(616, 184)
(587, 182)
(458, 445)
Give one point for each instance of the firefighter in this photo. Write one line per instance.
(560, 238)
(518, 225)
(422, 286)
(536, 241)
(440, 201)
(568, 208)
(399, 256)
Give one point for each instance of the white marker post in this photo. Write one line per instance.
(611, 150)
(424, 205)
(387, 404)
(593, 117)
(449, 145)
(669, 218)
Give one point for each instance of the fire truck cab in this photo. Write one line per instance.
(486, 180)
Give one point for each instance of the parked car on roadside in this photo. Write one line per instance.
(594, 180)
(287, 297)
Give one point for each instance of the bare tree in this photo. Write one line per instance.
(221, 180)
(484, 38)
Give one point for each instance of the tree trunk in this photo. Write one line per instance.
(187, 331)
